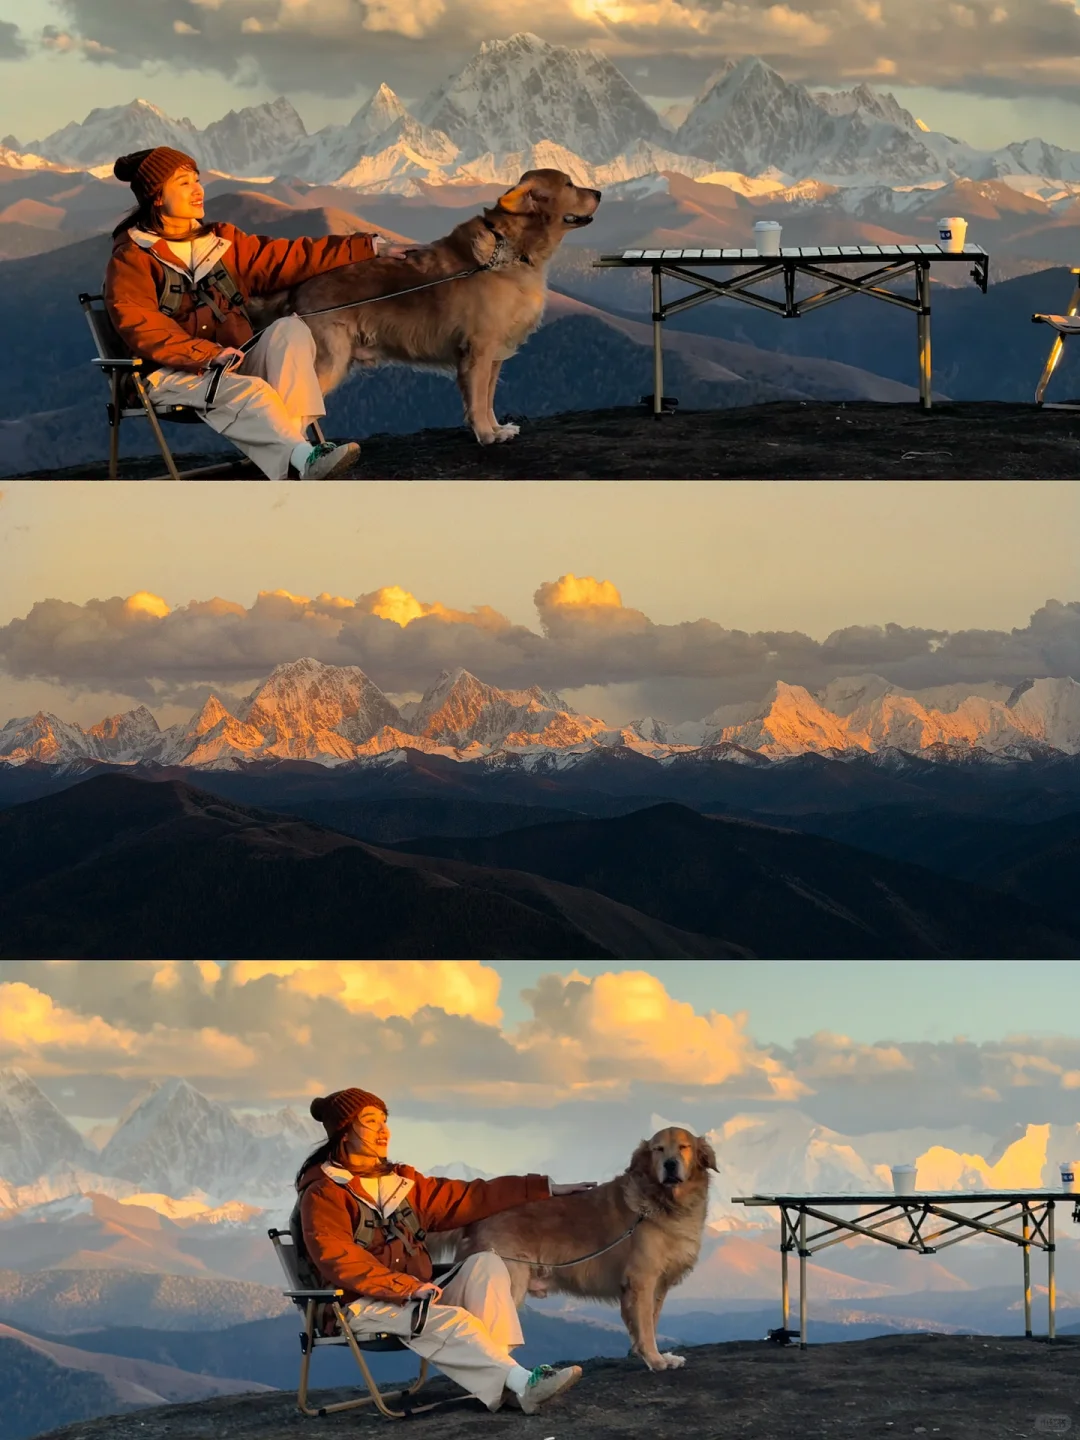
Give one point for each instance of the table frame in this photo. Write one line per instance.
(886, 263)
(1032, 1211)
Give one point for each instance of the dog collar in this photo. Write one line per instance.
(503, 254)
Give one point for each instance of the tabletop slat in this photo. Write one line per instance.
(919, 1197)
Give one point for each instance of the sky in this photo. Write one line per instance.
(989, 71)
(483, 1062)
(645, 598)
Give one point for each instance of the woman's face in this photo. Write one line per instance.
(182, 196)
(371, 1133)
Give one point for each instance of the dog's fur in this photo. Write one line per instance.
(666, 1183)
(467, 326)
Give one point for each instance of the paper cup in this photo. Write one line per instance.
(1070, 1174)
(767, 237)
(903, 1179)
(952, 233)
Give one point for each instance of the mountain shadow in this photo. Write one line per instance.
(777, 892)
(118, 867)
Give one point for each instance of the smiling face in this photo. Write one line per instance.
(182, 197)
(369, 1137)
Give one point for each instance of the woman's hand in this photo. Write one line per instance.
(430, 1289)
(573, 1189)
(228, 358)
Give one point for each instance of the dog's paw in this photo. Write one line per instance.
(673, 1362)
(486, 437)
(507, 431)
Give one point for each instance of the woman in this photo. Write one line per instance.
(350, 1193)
(176, 290)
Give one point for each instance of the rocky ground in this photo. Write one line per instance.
(952, 1387)
(781, 441)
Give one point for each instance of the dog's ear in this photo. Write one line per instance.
(706, 1155)
(518, 201)
(640, 1161)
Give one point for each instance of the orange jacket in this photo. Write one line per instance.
(331, 1209)
(141, 263)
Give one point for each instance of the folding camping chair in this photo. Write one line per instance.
(129, 398)
(1065, 325)
(308, 1302)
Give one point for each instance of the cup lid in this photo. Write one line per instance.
(767, 225)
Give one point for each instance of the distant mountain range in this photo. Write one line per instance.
(336, 715)
(522, 102)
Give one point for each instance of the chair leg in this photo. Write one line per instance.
(305, 1360)
(155, 425)
(114, 426)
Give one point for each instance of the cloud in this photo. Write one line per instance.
(428, 1030)
(56, 1040)
(334, 46)
(142, 646)
(12, 45)
(617, 1028)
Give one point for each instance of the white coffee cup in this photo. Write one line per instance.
(952, 233)
(903, 1179)
(1070, 1176)
(767, 236)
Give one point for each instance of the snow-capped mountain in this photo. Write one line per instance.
(35, 1138)
(336, 715)
(174, 1141)
(460, 711)
(523, 103)
(251, 141)
(515, 92)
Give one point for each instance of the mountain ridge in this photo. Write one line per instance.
(335, 715)
(520, 93)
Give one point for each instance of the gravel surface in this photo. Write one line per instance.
(949, 1387)
(782, 441)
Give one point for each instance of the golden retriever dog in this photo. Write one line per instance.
(467, 327)
(664, 1190)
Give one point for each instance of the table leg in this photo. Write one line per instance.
(922, 281)
(657, 345)
(785, 1294)
(1051, 1293)
(1027, 1275)
(802, 1281)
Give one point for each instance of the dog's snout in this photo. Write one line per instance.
(671, 1167)
(598, 193)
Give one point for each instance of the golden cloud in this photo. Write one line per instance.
(387, 987)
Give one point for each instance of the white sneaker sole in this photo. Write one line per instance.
(567, 1379)
(351, 453)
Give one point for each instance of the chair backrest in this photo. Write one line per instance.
(108, 342)
(285, 1250)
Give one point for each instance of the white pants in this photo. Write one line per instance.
(468, 1335)
(265, 405)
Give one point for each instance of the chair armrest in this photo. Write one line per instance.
(131, 362)
(314, 1294)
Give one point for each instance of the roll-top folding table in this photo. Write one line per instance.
(924, 1222)
(869, 270)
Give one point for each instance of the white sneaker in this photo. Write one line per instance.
(545, 1383)
(327, 460)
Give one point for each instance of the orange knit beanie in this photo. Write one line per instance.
(337, 1111)
(146, 171)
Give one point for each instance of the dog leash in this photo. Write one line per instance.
(496, 262)
(568, 1264)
